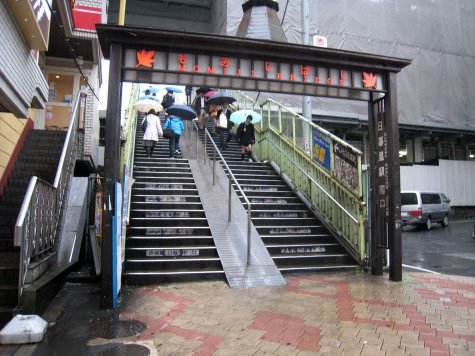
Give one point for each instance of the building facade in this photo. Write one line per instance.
(50, 52)
(436, 115)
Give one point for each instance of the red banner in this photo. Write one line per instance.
(85, 17)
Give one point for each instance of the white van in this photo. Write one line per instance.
(424, 208)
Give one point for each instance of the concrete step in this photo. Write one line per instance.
(170, 252)
(169, 241)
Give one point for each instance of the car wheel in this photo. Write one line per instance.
(428, 224)
(445, 222)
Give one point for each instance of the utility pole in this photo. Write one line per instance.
(307, 100)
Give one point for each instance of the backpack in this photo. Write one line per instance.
(144, 124)
(168, 132)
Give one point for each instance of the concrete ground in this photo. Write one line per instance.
(331, 314)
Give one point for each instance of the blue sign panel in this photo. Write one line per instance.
(321, 149)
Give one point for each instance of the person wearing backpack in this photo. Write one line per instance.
(153, 130)
(176, 124)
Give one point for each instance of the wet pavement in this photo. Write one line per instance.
(349, 313)
(449, 250)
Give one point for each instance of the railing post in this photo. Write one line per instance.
(214, 166)
(249, 234)
(204, 148)
(196, 144)
(229, 199)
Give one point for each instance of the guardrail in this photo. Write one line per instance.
(38, 225)
(231, 179)
(323, 167)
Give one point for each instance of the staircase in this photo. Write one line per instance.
(168, 238)
(296, 240)
(39, 157)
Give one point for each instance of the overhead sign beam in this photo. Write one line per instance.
(240, 72)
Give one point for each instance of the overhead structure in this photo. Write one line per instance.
(260, 21)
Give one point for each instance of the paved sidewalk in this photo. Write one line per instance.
(330, 314)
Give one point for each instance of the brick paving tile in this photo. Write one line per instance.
(417, 351)
(460, 351)
(369, 350)
(392, 348)
(329, 314)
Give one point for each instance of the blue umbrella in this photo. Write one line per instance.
(183, 111)
(150, 97)
(220, 99)
(173, 89)
(151, 90)
(240, 116)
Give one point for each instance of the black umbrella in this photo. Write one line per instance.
(183, 111)
(203, 90)
(220, 99)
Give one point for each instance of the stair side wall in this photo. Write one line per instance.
(13, 134)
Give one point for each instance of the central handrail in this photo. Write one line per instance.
(231, 178)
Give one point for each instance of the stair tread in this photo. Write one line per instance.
(166, 272)
(306, 255)
(303, 244)
(173, 248)
(174, 259)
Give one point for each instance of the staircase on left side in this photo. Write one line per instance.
(168, 238)
(39, 157)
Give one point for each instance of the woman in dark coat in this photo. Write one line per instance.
(245, 132)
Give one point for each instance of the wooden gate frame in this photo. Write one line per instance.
(116, 40)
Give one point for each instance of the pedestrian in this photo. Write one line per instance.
(213, 114)
(245, 134)
(176, 124)
(152, 132)
(223, 123)
(168, 99)
(201, 108)
(188, 91)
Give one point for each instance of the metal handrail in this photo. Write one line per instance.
(39, 220)
(318, 185)
(337, 199)
(312, 124)
(321, 129)
(231, 178)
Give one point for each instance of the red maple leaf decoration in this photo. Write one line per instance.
(145, 58)
(369, 80)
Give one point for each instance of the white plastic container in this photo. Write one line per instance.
(23, 329)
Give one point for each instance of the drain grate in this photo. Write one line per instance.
(123, 350)
(116, 329)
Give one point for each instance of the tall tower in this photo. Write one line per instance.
(260, 21)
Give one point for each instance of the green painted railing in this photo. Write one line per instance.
(321, 166)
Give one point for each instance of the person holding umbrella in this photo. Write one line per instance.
(201, 108)
(152, 132)
(224, 125)
(176, 124)
(168, 99)
(245, 133)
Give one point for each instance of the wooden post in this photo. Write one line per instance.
(394, 233)
(111, 172)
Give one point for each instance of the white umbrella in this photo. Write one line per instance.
(145, 105)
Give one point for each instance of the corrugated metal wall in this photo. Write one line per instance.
(454, 178)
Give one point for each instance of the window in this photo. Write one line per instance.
(408, 199)
(428, 198)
